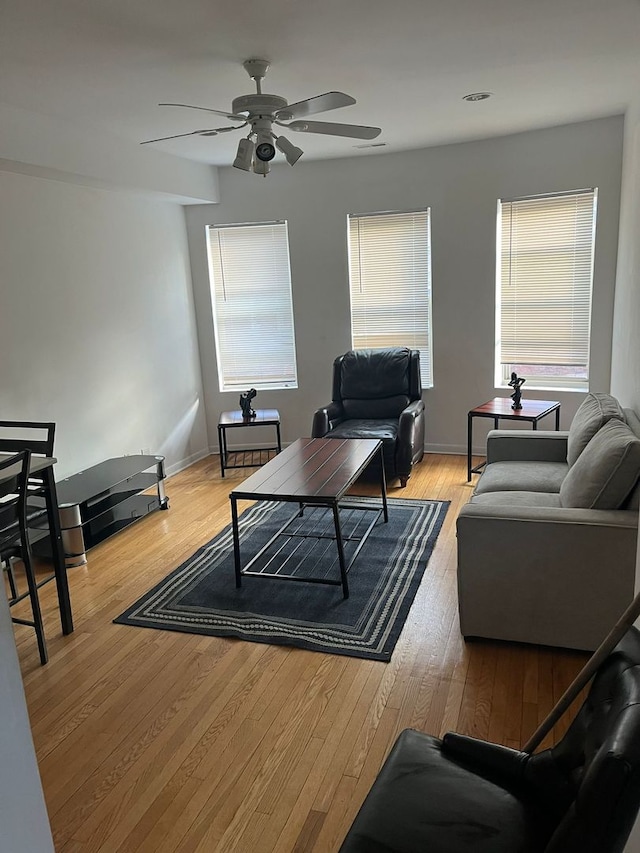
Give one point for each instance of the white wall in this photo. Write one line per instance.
(625, 363)
(23, 814)
(97, 333)
(97, 329)
(45, 146)
(461, 183)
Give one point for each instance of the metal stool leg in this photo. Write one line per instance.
(35, 606)
(11, 578)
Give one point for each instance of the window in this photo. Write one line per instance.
(252, 306)
(390, 283)
(544, 279)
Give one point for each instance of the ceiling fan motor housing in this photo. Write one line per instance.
(258, 105)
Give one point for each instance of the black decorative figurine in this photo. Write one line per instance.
(245, 403)
(515, 383)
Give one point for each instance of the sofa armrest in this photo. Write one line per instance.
(326, 418)
(504, 445)
(551, 576)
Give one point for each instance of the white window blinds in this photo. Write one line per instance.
(544, 276)
(390, 283)
(252, 306)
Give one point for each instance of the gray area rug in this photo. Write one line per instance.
(200, 596)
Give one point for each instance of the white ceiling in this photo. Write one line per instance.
(104, 65)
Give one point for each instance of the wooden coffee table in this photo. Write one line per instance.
(311, 472)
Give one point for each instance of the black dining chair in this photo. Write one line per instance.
(38, 437)
(14, 539)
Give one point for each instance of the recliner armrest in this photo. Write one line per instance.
(326, 418)
(504, 445)
(490, 758)
(407, 421)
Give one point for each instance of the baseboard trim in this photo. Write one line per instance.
(450, 449)
(445, 449)
(185, 463)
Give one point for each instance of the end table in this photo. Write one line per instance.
(500, 409)
(247, 457)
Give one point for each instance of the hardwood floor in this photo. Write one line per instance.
(160, 741)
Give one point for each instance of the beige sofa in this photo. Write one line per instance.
(547, 543)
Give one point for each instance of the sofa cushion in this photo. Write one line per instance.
(594, 411)
(633, 501)
(520, 499)
(522, 477)
(606, 471)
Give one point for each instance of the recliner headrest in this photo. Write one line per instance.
(370, 374)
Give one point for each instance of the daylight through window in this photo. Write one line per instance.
(252, 306)
(390, 283)
(545, 247)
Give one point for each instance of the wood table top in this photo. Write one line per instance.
(501, 407)
(310, 469)
(262, 416)
(37, 463)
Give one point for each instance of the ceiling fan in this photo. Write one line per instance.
(261, 112)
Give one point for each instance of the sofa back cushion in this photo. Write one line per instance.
(633, 501)
(606, 471)
(595, 410)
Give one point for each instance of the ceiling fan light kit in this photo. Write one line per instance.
(291, 152)
(261, 167)
(244, 156)
(261, 111)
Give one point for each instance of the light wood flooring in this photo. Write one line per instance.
(158, 741)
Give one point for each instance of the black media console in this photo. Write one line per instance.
(106, 498)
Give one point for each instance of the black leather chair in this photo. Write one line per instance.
(461, 794)
(378, 394)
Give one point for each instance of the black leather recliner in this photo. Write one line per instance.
(460, 794)
(378, 394)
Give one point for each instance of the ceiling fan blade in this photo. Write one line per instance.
(230, 116)
(355, 131)
(214, 131)
(319, 104)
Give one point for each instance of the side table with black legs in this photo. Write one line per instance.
(500, 409)
(247, 457)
